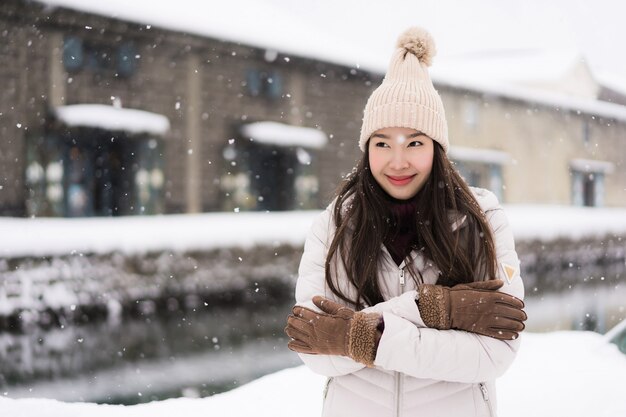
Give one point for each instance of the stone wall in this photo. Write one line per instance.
(82, 287)
(51, 291)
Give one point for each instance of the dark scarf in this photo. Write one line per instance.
(403, 236)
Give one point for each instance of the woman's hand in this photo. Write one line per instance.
(475, 307)
(337, 330)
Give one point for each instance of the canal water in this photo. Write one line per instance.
(194, 353)
(208, 349)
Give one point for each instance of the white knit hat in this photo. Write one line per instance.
(406, 97)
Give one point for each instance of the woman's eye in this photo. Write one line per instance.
(382, 145)
(416, 143)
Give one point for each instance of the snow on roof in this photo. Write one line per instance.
(255, 23)
(281, 134)
(515, 65)
(558, 101)
(590, 165)
(322, 32)
(489, 156)
(113, 118)
(612, 81)
(326, 29)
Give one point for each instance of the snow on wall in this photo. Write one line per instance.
(140, 234)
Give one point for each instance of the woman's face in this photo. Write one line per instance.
(401, 160)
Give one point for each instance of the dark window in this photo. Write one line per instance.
(73, 57)
(267, 84)
(101, 59)
(126, 59)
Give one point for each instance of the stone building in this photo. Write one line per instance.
(102, 116)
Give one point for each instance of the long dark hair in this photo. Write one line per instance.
(364, 221)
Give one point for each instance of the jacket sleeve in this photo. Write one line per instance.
(311, 282)
(454, 355)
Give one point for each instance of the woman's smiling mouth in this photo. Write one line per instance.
(403, 180)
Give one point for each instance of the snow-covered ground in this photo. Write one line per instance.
(574, 374)
(59, 236)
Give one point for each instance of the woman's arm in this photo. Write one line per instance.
(404, 325)
(453, 355)
(311, 282)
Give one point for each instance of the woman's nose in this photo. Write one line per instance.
(399, 160)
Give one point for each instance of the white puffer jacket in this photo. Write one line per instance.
(418, 371)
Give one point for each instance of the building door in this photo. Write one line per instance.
(100, 168)
(92, 172)
(267, 176)
(273, 172)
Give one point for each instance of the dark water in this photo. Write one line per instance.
(192, 353)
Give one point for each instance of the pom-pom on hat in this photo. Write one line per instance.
(406, 97)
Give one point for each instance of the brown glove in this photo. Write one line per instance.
(475, 307)
(339, 330)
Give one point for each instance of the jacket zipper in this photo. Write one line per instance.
(483, 389)
(397, 404)
(326, 386)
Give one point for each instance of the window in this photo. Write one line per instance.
(44, 177)
(116, 60)
(73, 58)
(264, 84)
(588, 181)
(480, 167)
(470, 110)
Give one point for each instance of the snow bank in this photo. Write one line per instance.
(564, 374)
(137, 234)
(552, 222)
(575, 374)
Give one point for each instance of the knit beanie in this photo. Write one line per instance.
(406, 97)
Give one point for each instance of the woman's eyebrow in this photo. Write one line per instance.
(412, 135)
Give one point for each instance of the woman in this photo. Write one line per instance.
(409, 293)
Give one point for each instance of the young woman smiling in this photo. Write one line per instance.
(408, 293)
